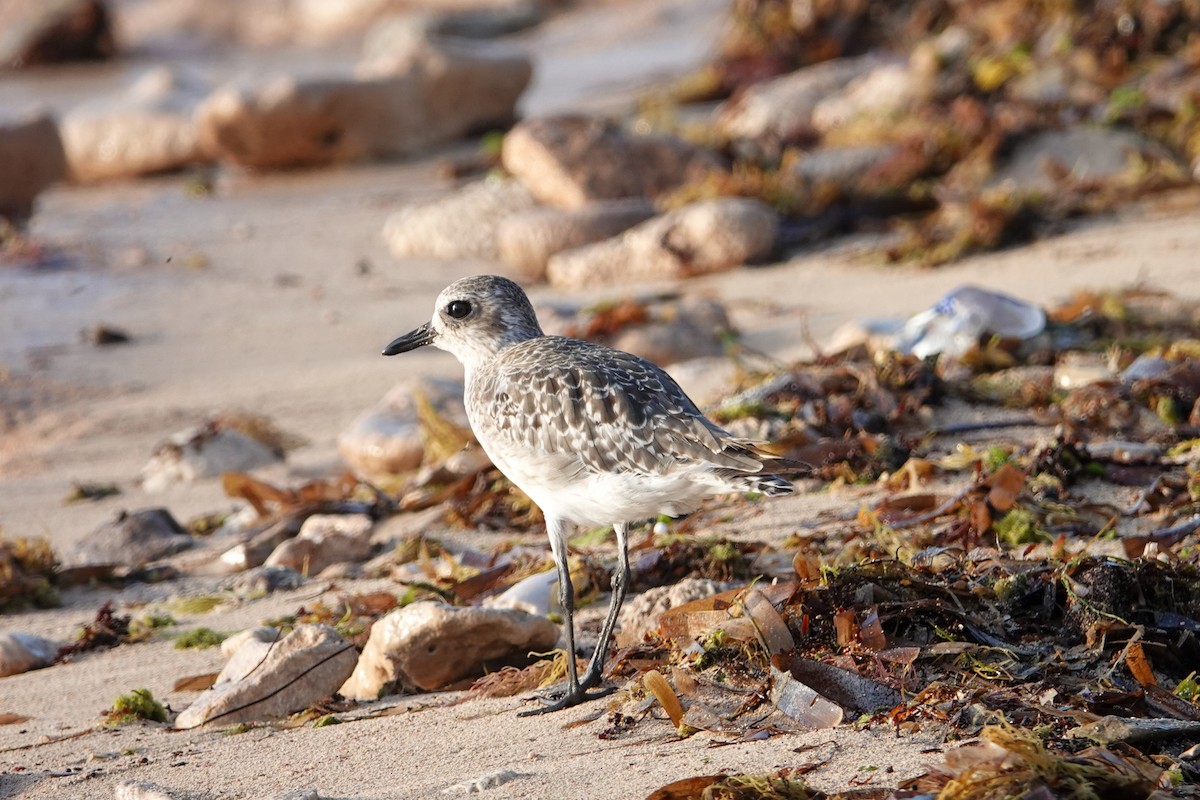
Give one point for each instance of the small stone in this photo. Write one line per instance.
(323, 540)
(31, 159)
(141, 790)
(430, 645)
(571, 161)
(302, 668)
(489, 781)
(293, 794)
(461, 225)
(1081, 154)
(21, 652)
(149, 129)
(386, 439)
(840, 168)
(204, 452)
(132, 539)
(527, 240)
(704, 237)
(263, 580)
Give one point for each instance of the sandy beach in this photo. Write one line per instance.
(273, 295)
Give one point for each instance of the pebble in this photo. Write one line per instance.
(324, 540)
(131, 539)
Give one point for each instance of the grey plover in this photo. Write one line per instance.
(594, 436)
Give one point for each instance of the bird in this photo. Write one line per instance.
(593, 435)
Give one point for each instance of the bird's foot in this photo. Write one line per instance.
(558, 700)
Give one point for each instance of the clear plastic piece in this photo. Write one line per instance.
(955, 324)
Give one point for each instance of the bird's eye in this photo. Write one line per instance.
(458, 308)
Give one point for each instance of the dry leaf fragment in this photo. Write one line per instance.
(1139, 664)
(657, 685)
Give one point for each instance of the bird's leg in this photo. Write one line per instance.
(620, 584)
(556, 529)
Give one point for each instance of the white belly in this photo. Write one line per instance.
(562, 487)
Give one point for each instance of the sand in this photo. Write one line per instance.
(274, 296)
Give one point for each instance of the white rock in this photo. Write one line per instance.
(203, 452)
(302, 668)
(537, 595)
(141, 790)
(21, 652)
(461, 225)
(148, 129)
(448, 90)
(386, 439)
(430, 645)
(262, 634)
(323, 540)
(526, 241)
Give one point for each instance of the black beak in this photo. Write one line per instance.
(411, 341)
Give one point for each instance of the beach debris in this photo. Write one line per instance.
(569, 161)
(28, 574)
(1008, 762)
(323, 540)
(429, 645)
(31, 159)
(56, 31)
(526, 240)
(696, 239)
(956, 323)
(130, 540)
(460, 225)
(22, 652)
(135, 706)
(300, 669)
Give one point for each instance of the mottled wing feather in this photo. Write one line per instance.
(615, 411)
